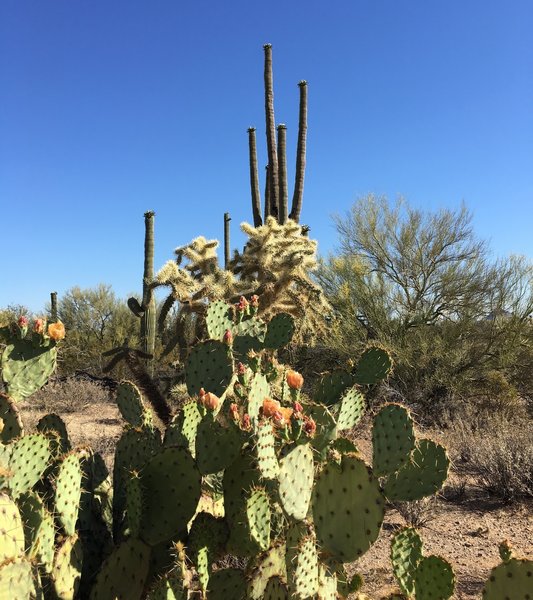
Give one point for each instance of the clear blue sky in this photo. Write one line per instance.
(110, 108)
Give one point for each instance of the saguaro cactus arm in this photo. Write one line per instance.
(297, 197)
(271, 132)
(254, 178)
(282, 162)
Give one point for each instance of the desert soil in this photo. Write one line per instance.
(466, 531)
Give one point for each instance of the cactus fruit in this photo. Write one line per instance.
(341, 495)
(10, 421)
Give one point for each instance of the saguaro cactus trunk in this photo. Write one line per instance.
(148, 319)
(254, 178)
(300, 155)
(53, 307)
(227, 251)
(271, 132)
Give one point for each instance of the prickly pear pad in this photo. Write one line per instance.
(332, 385)
(39, 530)
(216, 446)
(258, 516)
(348, 508)
(226, 584)
(302, 565)
(68, 492)
(434, 579)
(209, 366)
(16, 580)
(206, 541)
(249, 335)
(351, 409)
(171, 482)
(29, 458)
(259, 390)
(276, 589)
(267, 565)
(54, 427)
(406, 553)
(27, 367)
(169, 587)
(123, 573)
(182, 430)
(326, 425)
(10, 417)
(265, 451)
(11, 530)
(373, 366)
(422, 476)
(279, 331)
(134, 504)
(296, 480)
(131, 405)
(327, 582)
(217, 319)
(66, 572)
(512, 579)
(393, 439)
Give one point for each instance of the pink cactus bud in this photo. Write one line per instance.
(246, 423)
(38, 326)
(298, 408)
(228, 337)
(309, 426)
(22, 321)
(209, 400)
(241, 369)
(254, 301)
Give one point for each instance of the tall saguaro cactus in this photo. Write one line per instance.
(276, 185)
(148, 318)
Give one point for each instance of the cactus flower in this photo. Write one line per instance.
(22, 321)
(282, 417)
(294, 380)
(309, 426)
(208, 399)
(56, 331)
(234, 411)
(246, 422)
(38, 326)
(270, 407)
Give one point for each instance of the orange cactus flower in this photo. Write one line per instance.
(294, 380)
(282, 417)
(56, 331)
(270, 407)
(208, 399)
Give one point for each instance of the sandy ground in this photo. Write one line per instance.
(465, 531)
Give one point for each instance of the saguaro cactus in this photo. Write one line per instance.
(148, 319)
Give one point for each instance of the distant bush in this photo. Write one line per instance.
(70, 395)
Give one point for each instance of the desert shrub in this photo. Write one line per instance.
(69, 395)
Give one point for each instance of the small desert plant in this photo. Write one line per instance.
(69, 395)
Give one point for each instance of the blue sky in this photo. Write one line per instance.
(111, 108)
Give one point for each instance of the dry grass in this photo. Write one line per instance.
(69, 396)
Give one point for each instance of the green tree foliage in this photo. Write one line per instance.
(423, 284)
(95, 321)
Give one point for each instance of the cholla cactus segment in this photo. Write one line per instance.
(434, 579)
(16, 579)
(373, 366)
(124, 572)
(406, 554)
(227, 583)
(131, 406)
(510, 579)
(422, 476)
(167, 510)
(296, 480)
(11, 530)
(66, 571)
(393, 439)
(30, 456)
(343, 493)
(68, 492)
(10, 422)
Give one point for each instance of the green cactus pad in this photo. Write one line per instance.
(169, 587)
(406, 554)
(434, 579)
(216, 446)
(265, 451)
(393, 439)
(249, 335)
(206, 541)
(258, 516)
(27, 367)
(296, 480)
(373, 366)
(29, 458)
(331, 387)
(327, 582)
(351, 409)
(182, 430)
(209, 366)
(16, 582)
(422, 476)
(131, 405)
(512, 579)
(39, 530)
(12, 541)
(134, 449)
(279, 331)
(68, 492)
(218, 319)
(172, 485)
(326, 430)
(54, 427)
(227, 584)
(259, 390)
(344, 446)
(348, 508)
(66, 572)
(276, 589)
(267, 565)
(134, 504)
(302, 568)
(124, 572)
(10, 422)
